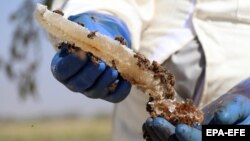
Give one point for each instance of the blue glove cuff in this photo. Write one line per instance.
(108, 25)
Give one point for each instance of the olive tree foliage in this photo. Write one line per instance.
(24, 50)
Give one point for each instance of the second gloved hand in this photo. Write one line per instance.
(81, 74)
(231, 109)
(159, 129)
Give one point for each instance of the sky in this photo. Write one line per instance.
(53, 98)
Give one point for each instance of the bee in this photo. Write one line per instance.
(121, 40)
(112, 87)
(143, 62)
(113, 64)
(93, 18)
(58, 11)
(92, 34)
(95, 60)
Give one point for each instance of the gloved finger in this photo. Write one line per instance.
(65, 64)
(145, 132)
(101, 29)
(210, 109)
(91, 24)
(86, 77)
(233, 109)
(163, 128)
(186, 133)
(245, 121)
(242, 88)
(84, 19)
(104, 24)
(147, 127)
(121, 91)
(100, 88)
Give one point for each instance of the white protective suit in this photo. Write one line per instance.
(161, 28)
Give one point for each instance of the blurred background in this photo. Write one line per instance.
(33, 105)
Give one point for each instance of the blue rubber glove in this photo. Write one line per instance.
(159, 129)
(231, 108)
(88, 77)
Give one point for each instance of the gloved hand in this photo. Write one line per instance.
(231, 108)
(159, 129)
(80, 74)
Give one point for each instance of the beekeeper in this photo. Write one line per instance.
(204, 43)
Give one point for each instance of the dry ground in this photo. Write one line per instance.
(57, 130)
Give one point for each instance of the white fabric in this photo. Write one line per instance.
(158, 29)
(223, 27)
(156, 26)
